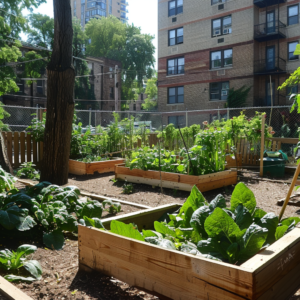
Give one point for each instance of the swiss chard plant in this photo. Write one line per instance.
(231, 234)
(28, 170)
(18, 266)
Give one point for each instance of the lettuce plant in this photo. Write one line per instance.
(17, 264)
(231, 234)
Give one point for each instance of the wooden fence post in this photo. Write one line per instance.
(262, 145)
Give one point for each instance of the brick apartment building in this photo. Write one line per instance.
(105, 84)
(136, 105)
(206, 47)
(85, 10)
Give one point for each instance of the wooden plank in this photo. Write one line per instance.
(11, 292)
(9, 146)
(274, 263)
(245, 152)
(176, 181)
(279, 145)
(41, 151)
(81, 168)
(171, 273)
(274, 144)
(143, 219)
(22, 147)
(16, 150)
(102, 198)
(285, 140)
(34, 151)
(28, 145)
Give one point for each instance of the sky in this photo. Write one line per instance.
(142, 13)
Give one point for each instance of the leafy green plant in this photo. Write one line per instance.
(28, 171)
(128, 188)
(212, 230)
(37, 128)
(17, 264)
(6, 181)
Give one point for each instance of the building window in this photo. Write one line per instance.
(290, 90)
(134, 106)
(221, 59)
(111, 93)
(221, 26)
(177, 121)
(39, 87)
(291, 49)
(293, 15)
(176, 66)
(142, 97)
(219, 90)
(176, 95)
(175, 7)
(176, 36)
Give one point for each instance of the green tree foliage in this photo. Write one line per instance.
(237, 98)
(115, 40)
(12, 22)
(83, 88)
(151, 91)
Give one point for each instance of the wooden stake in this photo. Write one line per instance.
(262, 145)
(287, 199)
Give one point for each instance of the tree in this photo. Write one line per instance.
(60, 98)
(115, 40)
(237, 98)
(12, 23)
(151, 92)
(83, 88)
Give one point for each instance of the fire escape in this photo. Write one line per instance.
(268, 35)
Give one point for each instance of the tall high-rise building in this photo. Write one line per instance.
(206, 47)
(85, 10)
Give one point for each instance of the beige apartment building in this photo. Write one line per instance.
(85, 10)
(206, 47)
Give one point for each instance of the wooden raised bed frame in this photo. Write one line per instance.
(177, 181)
(272, 274)
(82, 168)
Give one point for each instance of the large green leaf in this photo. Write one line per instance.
(220, 223)
(252, 241)
(34, 268)
(54, 240)
(219, 201)
(92, 210)
(269, 221)
(26, 223)
(163, 229)
(195, 200)
(243, 195)
(127, 230)
(164, 243)
(198, 220)
(25, 250)
(94, 222)
(214, 247)
(289, 221)
(243, 217)
(281, 231)
(14, 278)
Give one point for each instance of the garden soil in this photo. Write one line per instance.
(61, 279)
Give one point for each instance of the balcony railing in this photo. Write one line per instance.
(270, 66)
(265, 3)
(269, 31)
(124, 2)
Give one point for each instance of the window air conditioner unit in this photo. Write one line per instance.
(226, 31)
(217, 32)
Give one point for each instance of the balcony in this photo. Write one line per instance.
(265, 3)
(273, 66)
(124, 2)
(269, 31)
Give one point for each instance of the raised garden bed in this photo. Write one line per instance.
(274, 273)
(176, 181)
(9, 292)
(82, 168)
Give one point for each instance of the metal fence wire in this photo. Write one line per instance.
(277, 117)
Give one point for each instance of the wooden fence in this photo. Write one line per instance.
(21, 147)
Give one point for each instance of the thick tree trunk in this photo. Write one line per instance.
(60, 100)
